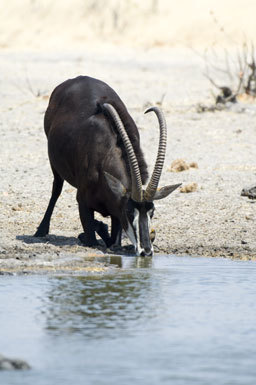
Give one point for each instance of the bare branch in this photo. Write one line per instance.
(229, 72)
(212, 81)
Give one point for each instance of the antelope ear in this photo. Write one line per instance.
(165, 191)
(115, 185)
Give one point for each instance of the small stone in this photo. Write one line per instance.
(191, 187)
(193, 165)
(12, 364)
(178, 165)
(249, 192)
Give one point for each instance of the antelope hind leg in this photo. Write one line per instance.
(43, 228)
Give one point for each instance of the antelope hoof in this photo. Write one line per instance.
(87, 242)
(115, 248)
(41, 233)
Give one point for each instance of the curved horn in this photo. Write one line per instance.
(153, 183)
(134, 167)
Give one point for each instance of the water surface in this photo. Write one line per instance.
(166, 320)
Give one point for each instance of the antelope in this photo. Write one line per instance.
(94, 145)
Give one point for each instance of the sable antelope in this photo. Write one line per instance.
(94, 144)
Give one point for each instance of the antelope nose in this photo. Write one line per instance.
(146, 252)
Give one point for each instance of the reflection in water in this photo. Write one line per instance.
(131, 263)
(96, 306)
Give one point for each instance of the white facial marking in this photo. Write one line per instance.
(131, 235)
(149, 219)
(149, 214)
(133, 232)
(137, 229)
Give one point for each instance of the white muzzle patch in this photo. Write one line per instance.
(133, 233)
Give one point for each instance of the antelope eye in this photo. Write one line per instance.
(151, 213)
(150, 208)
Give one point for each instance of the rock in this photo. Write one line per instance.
(193, 165)
(178, 165)
(12, 364)
(249, 192)
(191, 187)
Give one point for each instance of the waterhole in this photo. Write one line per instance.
(161, 320)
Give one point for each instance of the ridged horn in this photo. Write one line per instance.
(154, 180)
(136, 193)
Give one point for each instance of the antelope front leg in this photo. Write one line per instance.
(116, 232)
(88, 238)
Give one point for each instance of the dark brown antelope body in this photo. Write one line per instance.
(94, 144)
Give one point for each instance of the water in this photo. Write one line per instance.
(165, 320)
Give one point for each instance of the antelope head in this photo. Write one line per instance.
(138, 207)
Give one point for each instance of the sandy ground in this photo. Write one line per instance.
(140, 48)
(76, 23)
(213, 221)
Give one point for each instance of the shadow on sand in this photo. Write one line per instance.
(60, 240)
(56, 240)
